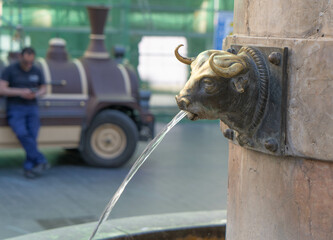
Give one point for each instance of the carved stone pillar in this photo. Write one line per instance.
(288, 196)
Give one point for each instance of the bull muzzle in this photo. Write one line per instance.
(182, 102)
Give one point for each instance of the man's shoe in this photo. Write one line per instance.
(29, 174)
(41, 167)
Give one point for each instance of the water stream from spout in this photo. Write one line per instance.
(144, 155)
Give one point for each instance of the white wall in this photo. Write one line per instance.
(158, 64)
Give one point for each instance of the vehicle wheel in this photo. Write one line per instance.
(110, 140)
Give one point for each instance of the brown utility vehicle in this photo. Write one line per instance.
(92, 103)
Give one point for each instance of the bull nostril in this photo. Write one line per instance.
(186, 102)
(182, 102)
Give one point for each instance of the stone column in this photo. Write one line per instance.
(289, 197)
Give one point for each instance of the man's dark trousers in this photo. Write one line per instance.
(24, 120)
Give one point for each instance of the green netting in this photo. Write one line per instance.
(127, 22)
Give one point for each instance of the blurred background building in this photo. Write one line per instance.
(148, 29)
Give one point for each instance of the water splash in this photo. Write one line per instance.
(144, 155)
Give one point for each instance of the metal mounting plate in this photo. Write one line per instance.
(270, 136)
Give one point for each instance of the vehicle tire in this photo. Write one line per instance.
(110, 140)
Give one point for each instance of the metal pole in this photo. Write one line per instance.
(125, 26)
(20, 26)
(1, 3)
(11, 28)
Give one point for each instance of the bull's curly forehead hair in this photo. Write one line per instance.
(204, 57)
(28, 50)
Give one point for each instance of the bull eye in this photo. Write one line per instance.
(209, 85)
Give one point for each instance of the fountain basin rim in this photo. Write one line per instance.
(135, 226)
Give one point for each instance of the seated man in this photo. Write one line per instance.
(22, 83)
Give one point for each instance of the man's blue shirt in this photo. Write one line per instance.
(18, 78)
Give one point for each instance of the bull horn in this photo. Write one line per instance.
(182, 59)
(227, 72)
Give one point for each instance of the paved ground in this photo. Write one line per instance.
(187, 172)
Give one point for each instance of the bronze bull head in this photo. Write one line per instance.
(226, 86)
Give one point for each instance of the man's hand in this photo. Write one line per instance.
(27, 94)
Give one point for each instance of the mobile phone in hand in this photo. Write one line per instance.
(34, 90)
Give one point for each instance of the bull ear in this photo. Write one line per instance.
(182, 59)
(230, 65)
